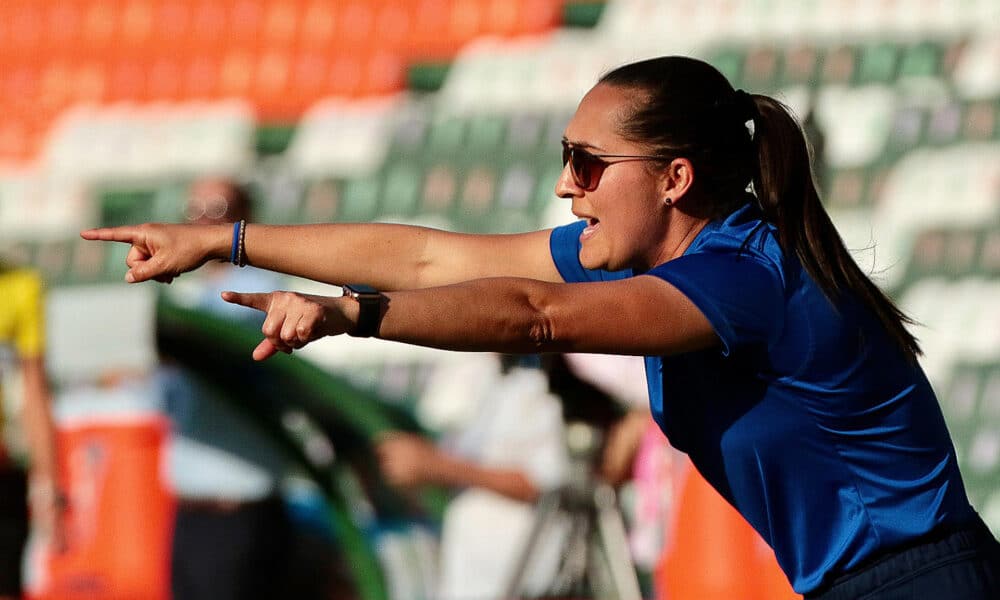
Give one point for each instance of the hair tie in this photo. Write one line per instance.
(746, 110)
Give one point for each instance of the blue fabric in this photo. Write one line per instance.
(807, 418)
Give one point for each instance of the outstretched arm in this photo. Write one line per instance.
(642, 315)
(389, 257)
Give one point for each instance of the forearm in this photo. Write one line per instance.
(395, 257)
(512, 483)
(386, 256)
(639, 316)
(486, 315)
(37, 417)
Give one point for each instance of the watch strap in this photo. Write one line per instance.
(369, 308)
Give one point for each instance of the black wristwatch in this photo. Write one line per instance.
(370, 308)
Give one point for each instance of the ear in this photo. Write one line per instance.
(677, 179)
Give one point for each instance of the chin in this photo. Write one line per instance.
(591, 262)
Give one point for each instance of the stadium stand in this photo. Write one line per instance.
(110, 107)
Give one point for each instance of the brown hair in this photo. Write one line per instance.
(688, 108)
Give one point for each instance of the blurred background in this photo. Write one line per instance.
(444, 113)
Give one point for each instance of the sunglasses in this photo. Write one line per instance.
(213, 207)
(587, 167)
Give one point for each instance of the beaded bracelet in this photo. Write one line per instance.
(237, 254)
(241, 251)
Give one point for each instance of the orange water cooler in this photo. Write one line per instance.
(120, 514)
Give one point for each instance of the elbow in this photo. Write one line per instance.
(543, 334)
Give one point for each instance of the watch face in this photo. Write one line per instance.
(360, 289)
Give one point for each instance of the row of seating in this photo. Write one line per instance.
(103, 29)
(281, 56)
(744, 20)
(772, 66)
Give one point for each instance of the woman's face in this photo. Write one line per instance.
(626, 218)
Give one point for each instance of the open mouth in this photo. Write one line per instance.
(592, 226)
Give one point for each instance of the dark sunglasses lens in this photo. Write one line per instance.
(583, 163)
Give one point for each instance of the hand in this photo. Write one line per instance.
(48, 513)
(162, 252)
(622, 445)
(293, 319)
(407, 460)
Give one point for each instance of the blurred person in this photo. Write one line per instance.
(232, 534)
(787, 376)
(495, 461)
(499, 461)
(38, 491)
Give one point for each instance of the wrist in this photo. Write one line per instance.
(219, 241)
(44, 489)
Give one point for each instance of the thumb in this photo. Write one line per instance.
(264, 350)
(260, 301)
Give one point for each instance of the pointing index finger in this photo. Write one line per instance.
(126, 234)
(260, 301)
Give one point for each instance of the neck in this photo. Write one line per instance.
(683, 230)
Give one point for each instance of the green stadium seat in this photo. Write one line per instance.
(922, 59)
(360, 199)
(401, 190)
(486, 133)
(878, 63)
(730, 61)
(447, 136)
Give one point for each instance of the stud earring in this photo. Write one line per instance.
(668, 201)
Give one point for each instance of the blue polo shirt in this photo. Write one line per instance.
(806, 418)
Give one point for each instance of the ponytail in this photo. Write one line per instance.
(688, 108)
(787, 195)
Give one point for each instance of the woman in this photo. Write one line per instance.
(772, 360)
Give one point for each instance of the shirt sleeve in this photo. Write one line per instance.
(29, 338)
(741, 297)
(564, 243)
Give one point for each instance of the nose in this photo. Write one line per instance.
(565, 186)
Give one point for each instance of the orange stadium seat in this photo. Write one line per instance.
(282, 55)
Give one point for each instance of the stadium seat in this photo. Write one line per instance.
(856, 122)
(343, 138)
(977, 74)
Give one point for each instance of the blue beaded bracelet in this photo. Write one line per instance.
(236, 243)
